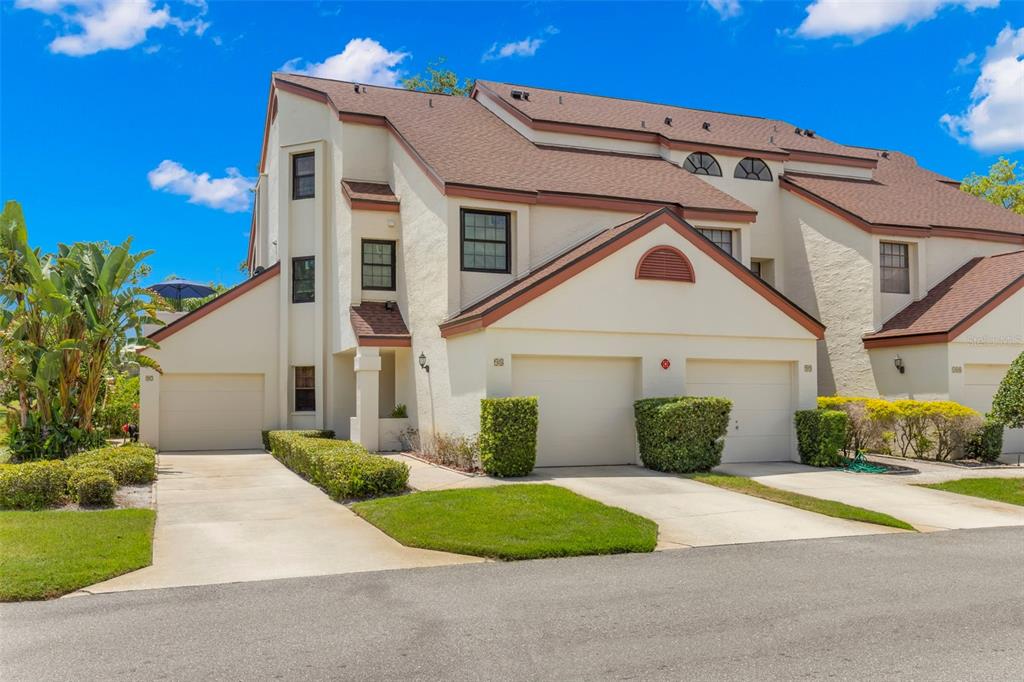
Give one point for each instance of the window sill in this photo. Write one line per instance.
(302, 414)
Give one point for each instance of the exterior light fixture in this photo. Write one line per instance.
(423, 363)
(899, 365)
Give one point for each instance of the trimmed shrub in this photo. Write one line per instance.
(931, 429)
(986, 443)
(129, 465)
(92, 487)
(1008, 402)
(341, 468)
(682, 435)
(33, 485)
(821, 436)
(508, 436)
(309, 433)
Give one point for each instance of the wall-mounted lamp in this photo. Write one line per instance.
(899, 365)
(423, 363)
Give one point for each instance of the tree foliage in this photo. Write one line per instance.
(440, 81)
(1000, 187)
(1008, 403)
(65, 319)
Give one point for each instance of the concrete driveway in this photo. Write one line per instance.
(923, 508)
(243, 516)
(688, 514)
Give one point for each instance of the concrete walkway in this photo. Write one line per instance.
(688, 513)
(243, 516)
(925, 509)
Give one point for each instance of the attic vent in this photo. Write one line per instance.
(705, 125)
(665, 263)
(884, 155)
(809, 133)
(668, 120)
(357, 88)
(798, 131)
(559, 99)
(390, 305)
(521, 94)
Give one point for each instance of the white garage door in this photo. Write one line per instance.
(761, 422)
(210, 411)
(980, 385)
(586, 408)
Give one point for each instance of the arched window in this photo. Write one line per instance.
(700, 163)
(752, 169)
(665, 263)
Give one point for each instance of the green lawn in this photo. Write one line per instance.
(999, 489)
(45, 554)
(523, 521)
(747, 486)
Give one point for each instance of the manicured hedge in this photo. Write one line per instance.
(309, 433)
(683, 434)
(341, 468)
(931, 429)
(129, 464)
(92, 487)
(508, 435)
(33, 485)
(986, 444)
(821, 435)
(1008, 402)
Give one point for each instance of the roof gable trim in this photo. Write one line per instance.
(642, 227)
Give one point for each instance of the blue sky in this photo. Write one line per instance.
(111, 113)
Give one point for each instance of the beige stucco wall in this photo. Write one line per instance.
(237, 338)
(638, 319)
(926, 372)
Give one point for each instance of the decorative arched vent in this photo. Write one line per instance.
(665, 263)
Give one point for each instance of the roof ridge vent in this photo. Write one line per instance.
(798, 131)
(705, 125)
(809, 133)
(521, 94)
(668, 120)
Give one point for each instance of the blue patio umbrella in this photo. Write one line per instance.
(179, 289)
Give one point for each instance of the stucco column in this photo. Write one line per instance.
(149, 406)
(366, 423)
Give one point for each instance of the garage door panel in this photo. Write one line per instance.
(586, 408)
(980, 385)
(761, 420)
(211, 411)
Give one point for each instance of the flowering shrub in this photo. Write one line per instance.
(931, 429)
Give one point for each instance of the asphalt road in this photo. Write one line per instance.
(939, 606)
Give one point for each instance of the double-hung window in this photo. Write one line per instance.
(378, 265)
(305, 389)
(303, 279)
(303, 176)
(895, 268)
(486, 241)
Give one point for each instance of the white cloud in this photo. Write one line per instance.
(527, 47)
(994, 121)
(91, 26)
(726, 9)
(863, 19)
(363, 60)
(965, 61)
(230, 193)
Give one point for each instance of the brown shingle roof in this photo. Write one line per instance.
(687, 125)
(465, 144)
(554, 272)
(379, 324)
(957, 302)
(369, 191)
(902, 193)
